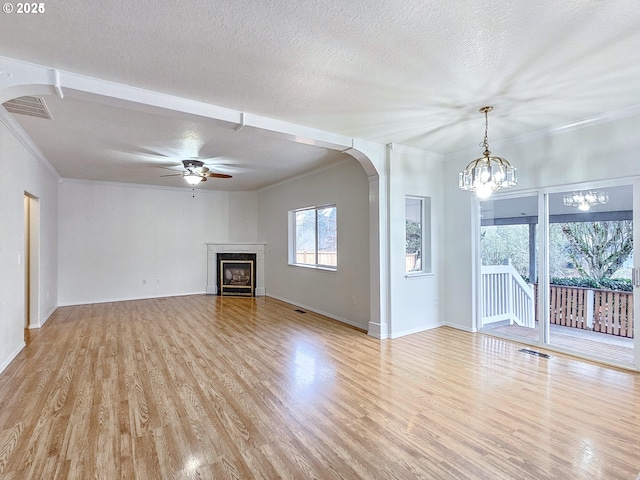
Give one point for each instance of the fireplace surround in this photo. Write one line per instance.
(239, 251)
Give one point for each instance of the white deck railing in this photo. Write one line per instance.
(506, 296)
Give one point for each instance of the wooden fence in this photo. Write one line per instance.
(410, 260)
(324, 258)
(604, 311)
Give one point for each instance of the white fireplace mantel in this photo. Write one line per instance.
(235, 247)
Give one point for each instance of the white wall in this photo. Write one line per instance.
(415, 299)
(112, 236)
(331, 293)
(243, 216)
(21, 173)
(598, 151)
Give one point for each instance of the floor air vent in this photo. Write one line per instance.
(30, 106)
(299, 311)
(533, 352)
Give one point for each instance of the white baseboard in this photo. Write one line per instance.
(6, 363)
(34, 326)
(376, 329)
(320, 312)
(416, 330)
(460, 327)
(130, 299)
(48, 315)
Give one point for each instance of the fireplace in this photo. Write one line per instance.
(235, 251)
(236, 274)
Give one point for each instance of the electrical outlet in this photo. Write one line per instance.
(437, 301)
(144, 281)
(353, 300)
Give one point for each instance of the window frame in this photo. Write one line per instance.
(425, 236)
(292, 261)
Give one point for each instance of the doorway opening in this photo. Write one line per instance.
(31, 261)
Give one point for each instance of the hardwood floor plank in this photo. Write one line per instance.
(221, 387)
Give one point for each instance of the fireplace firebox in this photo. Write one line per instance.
(237, 274)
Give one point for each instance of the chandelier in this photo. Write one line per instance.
(585, 200)
(487, 174)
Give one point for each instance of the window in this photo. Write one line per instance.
(313, 237)
(418, 234)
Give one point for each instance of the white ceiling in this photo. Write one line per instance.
(406, 71)
(95, 141)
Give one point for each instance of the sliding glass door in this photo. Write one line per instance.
(508, 249)
(557, 270)
(590, 266)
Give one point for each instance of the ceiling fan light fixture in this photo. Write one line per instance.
(193, 178)
(487, 174)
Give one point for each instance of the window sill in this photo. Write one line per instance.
(411, 276)
(314, 267)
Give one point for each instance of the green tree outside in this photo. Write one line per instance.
(589, 250)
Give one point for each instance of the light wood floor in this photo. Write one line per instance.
(608, 348)
(208, 387)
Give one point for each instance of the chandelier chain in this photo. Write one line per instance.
(485, 143)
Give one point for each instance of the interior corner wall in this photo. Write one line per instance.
(327, 292)
(21, 173)
(598, 151)
(414, 300)
(243, 216)
(122, 242)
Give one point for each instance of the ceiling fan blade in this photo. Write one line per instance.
(173, 175)
(217, 175)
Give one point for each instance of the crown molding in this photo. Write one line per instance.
(107, 183)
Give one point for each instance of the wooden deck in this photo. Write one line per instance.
(205, 387)
(609, 348)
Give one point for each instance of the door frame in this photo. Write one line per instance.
(543, 261)
(32, 260)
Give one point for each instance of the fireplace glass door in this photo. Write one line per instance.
(237, 277)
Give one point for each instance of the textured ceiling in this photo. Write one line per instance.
(406, 71)
(94, 141)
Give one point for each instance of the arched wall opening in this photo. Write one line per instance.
(19, 79)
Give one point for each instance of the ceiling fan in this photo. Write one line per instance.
(195, 172)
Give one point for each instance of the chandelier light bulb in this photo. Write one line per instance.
(484, 190)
